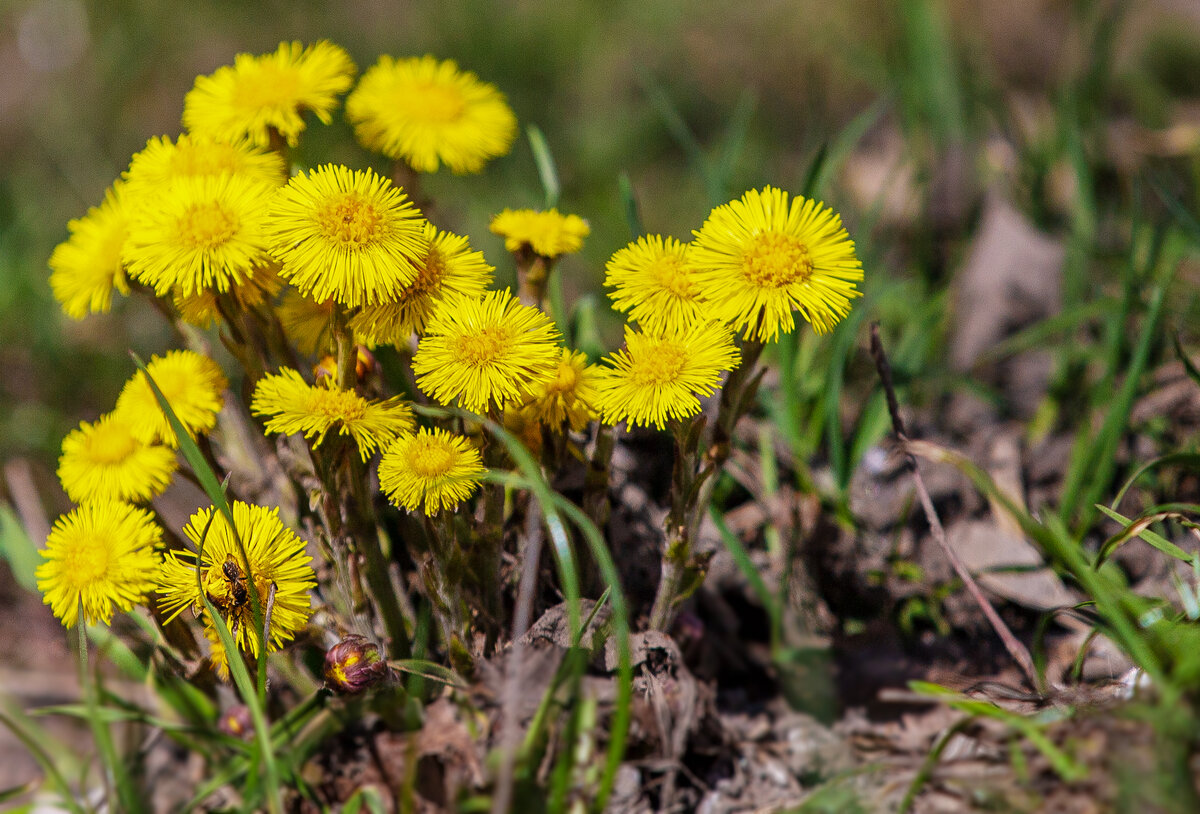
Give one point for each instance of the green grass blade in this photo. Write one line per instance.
(629, 205)
(18, 550)
(44, 760)
(1138, 528)
(544, 159)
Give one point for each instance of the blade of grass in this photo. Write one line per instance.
(544, 159)
(44, 760)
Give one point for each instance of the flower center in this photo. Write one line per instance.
(564, 381)
(349, 219)
(206, 226)
(437, 104)
(662, 365)
(429, 279)
(268, 87)
(111, 443)
(480, 348)
(672, 277)
(87, 562)
(337, 405)
(432, 459)
(773, 260)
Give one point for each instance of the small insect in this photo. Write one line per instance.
(239, 595)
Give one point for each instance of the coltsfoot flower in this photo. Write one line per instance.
(258, 94)
(485, 351)
(568, 399)
(99, 556)
(162, 162)
(760, 258)
(105, 461)
(279, 574)
(347, 235)
(192, 384)
(430, 471)
(87, 267)
(653, 281)
(198, 234)
(656, 378)
(354, 665)
(547, 234)
(427, 112)
(291, 405)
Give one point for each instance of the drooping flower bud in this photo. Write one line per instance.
(354, 665)
(236, 723)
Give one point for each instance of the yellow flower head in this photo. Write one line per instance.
(291, 405)
(86, 268)
(199, 234)
(162, 162)
(759, 258)
(193, 386)
(427, 113)
(100, 555)
(485, 351)
(656, 378)
(569, 397)
(258, 94)
(201, 308)
(653, 281)
(430, 471)
(449, 268)
(347, 235)
(306, 322)
(548, 234)
(104, 461)
(277, 563)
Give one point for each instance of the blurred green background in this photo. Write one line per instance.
(912, 110)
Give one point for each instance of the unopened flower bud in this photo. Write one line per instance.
(353, 665)
(235, 722)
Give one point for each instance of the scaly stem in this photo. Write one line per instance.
(113, 770)
(677, 552)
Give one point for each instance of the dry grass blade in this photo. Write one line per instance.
(1018, 651)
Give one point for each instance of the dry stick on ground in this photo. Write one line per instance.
(1018, 651)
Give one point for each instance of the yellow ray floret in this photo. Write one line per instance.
(430, 471)
(276, 568)
(291, 406)
(192, 384)
(429, 113)
(87, 267)
(202, 233)
(105, 461)
(449, 268)
(349, 235)
(101, 556)
(488, 351)
(568, 399)
(656, 378)
(549, 234)
(162, 162)
(654, 282)
(760, 258)
(271, 92)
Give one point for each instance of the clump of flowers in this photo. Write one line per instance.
(377, 376)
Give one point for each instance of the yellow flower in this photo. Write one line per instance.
(430, 471)
(162, 162)
(347, 235)
(449, 268)
(569, 397)
(291, 405)
(309, 324)
(193, 386)
(86, 268)
(548, 234)
(100, 555)
(655, 283)
(427, 113)
(482, 351)
(656, 378)
(258, 94)
(104, 461)
(758, 259)
(279, 573)
(199, 234)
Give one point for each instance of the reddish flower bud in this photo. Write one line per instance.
(353, 665)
